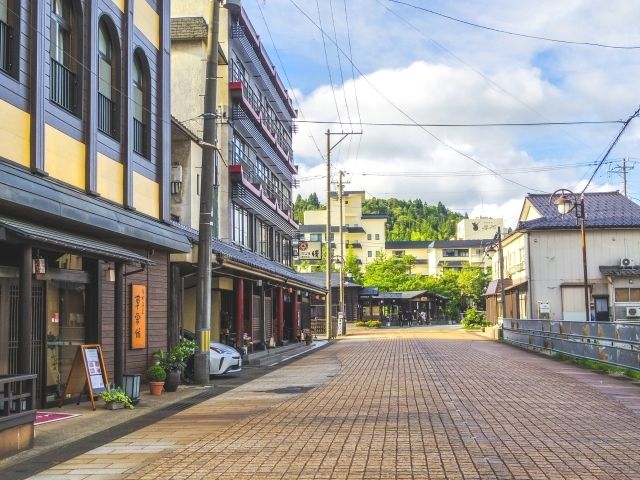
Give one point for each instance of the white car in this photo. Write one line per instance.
(223, 359)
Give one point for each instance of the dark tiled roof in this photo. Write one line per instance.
(616, 271)
(408, 245)
(251, 259)
(459, 243)
(369, 216)
(319, 278)
(188, 28)
(370, 292)
(312, 228)
(602, 210)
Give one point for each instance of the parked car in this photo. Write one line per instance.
(223, 359)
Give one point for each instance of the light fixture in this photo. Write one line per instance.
(131, 386)
(111, 273)
(259, 283)
(564, 204)
(39, 265)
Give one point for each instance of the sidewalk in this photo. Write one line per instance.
(62, 440)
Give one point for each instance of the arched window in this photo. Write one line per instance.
(106, 70)
(140, 104)
(64, 81)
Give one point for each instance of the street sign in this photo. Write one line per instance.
(340, 322)
(309, 250)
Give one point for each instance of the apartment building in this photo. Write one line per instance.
(255, 289)
(84, 186)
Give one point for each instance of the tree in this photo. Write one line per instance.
(389, 273)
(352, 266)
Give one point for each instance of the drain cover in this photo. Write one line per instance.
(292, 389)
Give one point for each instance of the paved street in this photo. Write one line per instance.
(426, 402)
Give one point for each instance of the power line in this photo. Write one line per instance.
(326, 57)
(506, 32)
(409, 117)
(507, 124)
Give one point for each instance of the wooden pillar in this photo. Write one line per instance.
(239, 311)
(280, 335)
(294, 314)
(118, 325)
(175, 299)
(25, 325)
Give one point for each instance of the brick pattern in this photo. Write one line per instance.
(421, 403)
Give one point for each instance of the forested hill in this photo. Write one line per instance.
(414, 220)
(408, 220)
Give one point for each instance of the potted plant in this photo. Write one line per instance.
(246, 343)
(156, 376)
(115, 398)
(174, 362)
(308, 337)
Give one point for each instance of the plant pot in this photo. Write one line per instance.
(172, 381)
(156, 388)
(114, 405)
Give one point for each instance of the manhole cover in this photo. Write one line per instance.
(287, 390)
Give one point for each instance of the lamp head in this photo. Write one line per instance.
(564, 204)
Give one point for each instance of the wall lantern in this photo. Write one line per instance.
(132, 387)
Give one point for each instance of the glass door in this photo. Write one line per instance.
(65, 332)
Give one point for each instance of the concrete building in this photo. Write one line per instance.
(255, 290)
(84, 186)
(478, 228)
(544, 269)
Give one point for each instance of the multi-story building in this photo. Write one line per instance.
(255, 289)
(543, 267)
(365, 233)
(84, 186)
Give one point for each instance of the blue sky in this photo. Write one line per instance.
(415, 66)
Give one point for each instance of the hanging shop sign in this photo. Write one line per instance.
(138, 316)
(310, 250)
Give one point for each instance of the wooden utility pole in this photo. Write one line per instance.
(340, 230)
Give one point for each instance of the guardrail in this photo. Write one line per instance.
(614, 343)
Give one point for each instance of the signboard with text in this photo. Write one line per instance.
(138, 316)
(88, 374)
(310, 250)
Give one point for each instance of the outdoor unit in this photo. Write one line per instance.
(627, 263)
(633, 312)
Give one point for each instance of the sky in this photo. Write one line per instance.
(388, 62)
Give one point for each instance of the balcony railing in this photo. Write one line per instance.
(139, 133)
(63, 86)
(5, 46)
(106, 110)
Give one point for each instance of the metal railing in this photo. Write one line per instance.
(6, 36)
(17, 399)
(139, 134)
(63, 86)
(614, 343)
(106, 109)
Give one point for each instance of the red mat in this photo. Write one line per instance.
(48, 417)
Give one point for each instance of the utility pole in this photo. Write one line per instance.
(342, 259)
(208, 201)
(328, 228)
(623, 170)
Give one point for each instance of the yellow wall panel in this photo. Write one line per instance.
(64, 157)
(110, 179)
(146, 195)
(119, 4)
(147, 21)
(15, 134)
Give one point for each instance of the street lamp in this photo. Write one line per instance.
(567, 201)
(490, 250)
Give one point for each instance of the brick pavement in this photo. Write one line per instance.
(413, 403)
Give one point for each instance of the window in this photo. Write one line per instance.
(241, 226)
(627, 294)
(264, 245)
(369, 254)
(398, 253)
(286, 251)
(315, 237)
(106, 77)
(141, 104)
(63, 80)
(8, 22)
(368, 236)
(455, 252)
(377, 236)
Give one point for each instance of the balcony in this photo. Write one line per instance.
(64, 86)
(139, 135)
(106, 115)
(6, 35)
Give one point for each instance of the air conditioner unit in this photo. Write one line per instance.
(633, 312)
(627, 263)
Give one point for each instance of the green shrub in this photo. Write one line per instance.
(361, 323)
(156, 373)
(373, 324)
(116, 395)
(474, 318)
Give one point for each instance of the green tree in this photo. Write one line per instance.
(352, 266)
(389, 273)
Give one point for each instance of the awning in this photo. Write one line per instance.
(69, 241)
(495, 286)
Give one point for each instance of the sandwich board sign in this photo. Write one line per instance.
(88, 374)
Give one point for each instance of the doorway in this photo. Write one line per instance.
(601, 305)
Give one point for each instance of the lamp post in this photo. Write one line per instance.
(490, 250)
(567, 201)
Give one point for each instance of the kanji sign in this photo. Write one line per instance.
(138, 316)
(310, 250)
